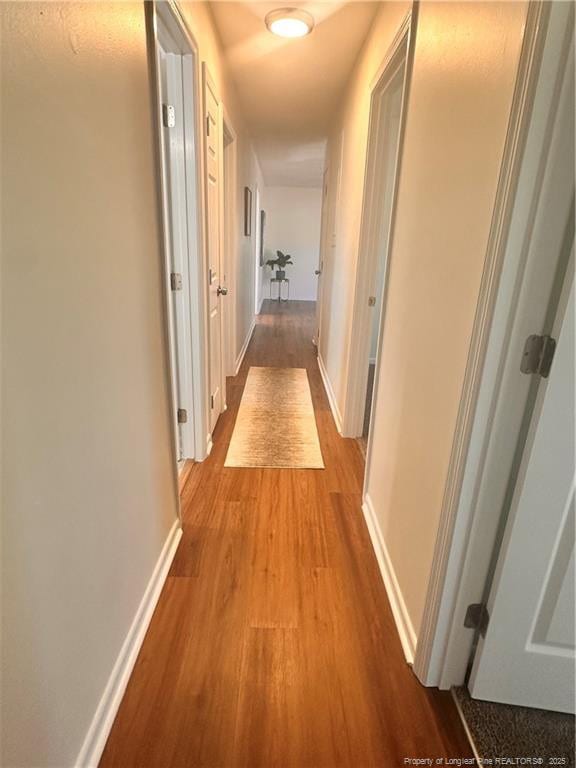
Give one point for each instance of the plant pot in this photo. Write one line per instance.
(280, 274)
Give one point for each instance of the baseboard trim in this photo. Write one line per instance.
(330, 393)
(401, 617)
(103, 719)
(240, 357)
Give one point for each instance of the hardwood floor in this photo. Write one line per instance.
(273, 644)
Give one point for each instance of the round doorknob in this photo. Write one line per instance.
(222, 291)
(317, 271)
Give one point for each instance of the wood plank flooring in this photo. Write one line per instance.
(273, 643)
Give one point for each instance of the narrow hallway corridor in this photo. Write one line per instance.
(273, 643)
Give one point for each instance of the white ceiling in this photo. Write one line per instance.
(289, 90)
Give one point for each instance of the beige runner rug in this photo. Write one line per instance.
(275, 425)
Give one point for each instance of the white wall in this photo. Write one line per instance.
(293, 226)
(89, 491)
(250, 176)
(465, 64)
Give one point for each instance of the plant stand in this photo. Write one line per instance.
(280, 281)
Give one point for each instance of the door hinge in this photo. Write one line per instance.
(211, 401)
(538, 355)
(168, 116)
(175, 281)
(477, 617)
(371, 301)
(182, 416)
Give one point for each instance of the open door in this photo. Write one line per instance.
(527, 656)
(176, 107)
(526, 646)
(213, 166)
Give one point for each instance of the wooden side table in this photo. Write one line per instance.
(281, 280)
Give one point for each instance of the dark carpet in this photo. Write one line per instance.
(504, 731)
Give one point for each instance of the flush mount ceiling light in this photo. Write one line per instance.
(289, 22)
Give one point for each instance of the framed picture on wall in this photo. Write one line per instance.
(262, 225)
(247, 211)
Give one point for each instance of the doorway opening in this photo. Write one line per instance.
(175, 59)
(390, 107)
(383, 157)
(324, 216)
(258, 260)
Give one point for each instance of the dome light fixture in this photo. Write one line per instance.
(289, 22)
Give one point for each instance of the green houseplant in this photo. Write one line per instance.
(281, 260)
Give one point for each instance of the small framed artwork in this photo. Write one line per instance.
(247, 211)
(262, 226)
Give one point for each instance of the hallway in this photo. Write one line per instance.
(273, 643)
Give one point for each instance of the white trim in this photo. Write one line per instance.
(402, 32)
(330, 393)
(242, 352)
(399, 611)
(103, 719)
(455, 530)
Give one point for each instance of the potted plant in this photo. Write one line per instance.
(281, 260)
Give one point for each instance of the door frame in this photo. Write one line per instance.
(399, 54)
(457, 579)
(167, 12)
(230, 242)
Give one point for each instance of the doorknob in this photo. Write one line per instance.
(317, 271)
(221, 291)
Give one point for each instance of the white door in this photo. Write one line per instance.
(213, 165)
(171, 91)
(527, 656)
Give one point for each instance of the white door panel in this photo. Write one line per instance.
(213, 143)
(528, 654)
